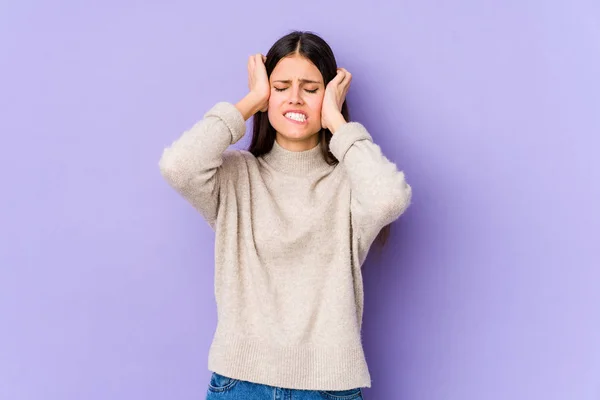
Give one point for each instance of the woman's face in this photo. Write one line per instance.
(297, 91)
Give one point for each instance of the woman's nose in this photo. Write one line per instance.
(295, 95)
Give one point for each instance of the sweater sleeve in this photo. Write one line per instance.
(380, 193)
(193, 164)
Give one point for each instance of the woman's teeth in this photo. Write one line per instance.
(296, 116)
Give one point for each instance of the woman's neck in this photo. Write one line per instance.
(297, 145)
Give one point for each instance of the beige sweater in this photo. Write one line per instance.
(291, 235)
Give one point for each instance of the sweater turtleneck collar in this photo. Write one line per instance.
(296, 162)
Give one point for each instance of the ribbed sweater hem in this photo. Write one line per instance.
(298, 367)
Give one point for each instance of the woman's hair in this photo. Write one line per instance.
(315, 49)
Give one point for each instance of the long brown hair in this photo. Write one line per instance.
(315, 49)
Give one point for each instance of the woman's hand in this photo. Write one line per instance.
(258, 81)
(257, 98)
(335, 95)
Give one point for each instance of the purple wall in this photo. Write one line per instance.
(489, 288)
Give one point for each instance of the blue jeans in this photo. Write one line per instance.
(224, 388)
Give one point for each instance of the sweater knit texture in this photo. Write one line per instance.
(291, 234)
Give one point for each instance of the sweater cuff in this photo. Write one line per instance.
(231, 116)
(345, 137)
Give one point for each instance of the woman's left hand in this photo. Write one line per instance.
(335, 95)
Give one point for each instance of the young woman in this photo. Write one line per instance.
(294, 218)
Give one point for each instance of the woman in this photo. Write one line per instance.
(294, 218)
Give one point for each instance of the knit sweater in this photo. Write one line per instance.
(291, 234)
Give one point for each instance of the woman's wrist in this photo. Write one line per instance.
(249, 105)
(336, 121)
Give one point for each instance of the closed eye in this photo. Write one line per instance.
(306, 90)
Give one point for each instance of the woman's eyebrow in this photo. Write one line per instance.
(301, 80)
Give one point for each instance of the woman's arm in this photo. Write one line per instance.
(380, 193)
(192, 164)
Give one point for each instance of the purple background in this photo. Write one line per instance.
(489, 287)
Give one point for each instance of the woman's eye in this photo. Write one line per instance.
(306, 90)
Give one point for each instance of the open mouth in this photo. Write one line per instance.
(296, 117)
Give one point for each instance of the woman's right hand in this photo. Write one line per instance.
(258, 81)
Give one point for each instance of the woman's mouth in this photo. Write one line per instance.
(296, 118)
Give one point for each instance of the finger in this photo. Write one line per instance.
(338, 77)
(250, 72)
(259, 60)
(346, 83)
(347, 76)
(264, 58)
